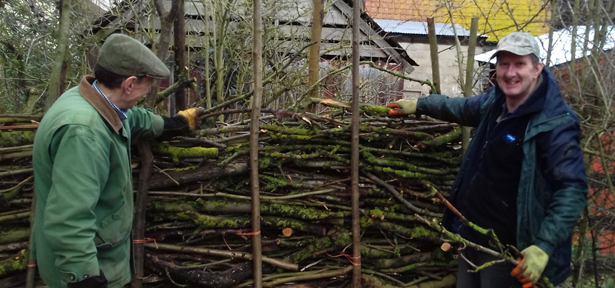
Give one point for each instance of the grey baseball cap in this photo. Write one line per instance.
(124, 55)
(519, 43)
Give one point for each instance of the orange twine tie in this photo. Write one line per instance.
(355, 261)
(141, 241)
(248, 233)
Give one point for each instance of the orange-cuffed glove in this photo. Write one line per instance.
(530, 267)
(192, 115)
(402, 107)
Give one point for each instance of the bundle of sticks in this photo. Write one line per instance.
(198, 207)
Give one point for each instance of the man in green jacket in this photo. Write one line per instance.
(523, 173)
(81, 159)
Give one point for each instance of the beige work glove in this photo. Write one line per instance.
(402, 107)
(530, 267)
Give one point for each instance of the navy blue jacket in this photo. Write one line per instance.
(553, 186)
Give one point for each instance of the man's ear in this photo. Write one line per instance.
(538, 67)
(127, 84)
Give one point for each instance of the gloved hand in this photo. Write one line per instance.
(192, 115)
(402, 107)
(99, 281)
(530, 267)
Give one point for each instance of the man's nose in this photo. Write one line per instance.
(510, 71)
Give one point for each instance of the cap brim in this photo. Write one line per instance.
(516, 51)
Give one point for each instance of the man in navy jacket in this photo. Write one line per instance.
(523, 173)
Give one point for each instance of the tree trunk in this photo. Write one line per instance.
(257, 100)
(318, 16)
(179, 32)
(162, 49)
(58, 73)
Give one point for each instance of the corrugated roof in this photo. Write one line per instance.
(562, 44)
(420, 28)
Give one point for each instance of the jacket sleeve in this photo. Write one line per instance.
(461, 110)
(561, 162)
(80, 169)
(145, 121)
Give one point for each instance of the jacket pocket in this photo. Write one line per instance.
(115, 228)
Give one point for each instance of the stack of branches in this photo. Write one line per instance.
(198, 208)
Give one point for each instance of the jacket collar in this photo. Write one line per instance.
(99, 103)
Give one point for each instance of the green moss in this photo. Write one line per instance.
(16, 138)
(445, 138)
(218, 203)
(207, 221)
(14, 235)
(274, 183)
(264, 162)
(318, 244)
(304, 213)
(276, 154)
(185, 168)
(177, 152)
(381, 110)
(284, 130)
(279, 136)
(342, 239)
(401, 173)
(172, 206)
(376, 213)
(15, 263)
(233, 148)
(366, 222)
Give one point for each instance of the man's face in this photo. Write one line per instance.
(516, 75)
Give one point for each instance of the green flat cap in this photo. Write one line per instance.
(124, 55)
(519, 43)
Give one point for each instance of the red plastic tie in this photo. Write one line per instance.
(248, 233)
(140, 241)
(355, 261)
(31, 265)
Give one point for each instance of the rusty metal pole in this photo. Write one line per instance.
(354, 156)
(257, 99)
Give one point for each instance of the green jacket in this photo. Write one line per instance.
(83, 183)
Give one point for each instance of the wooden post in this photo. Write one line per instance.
(257, 99)
(554, 7)
(467, 90)
(162, 47)
(179, 45)
(31, 270)
(433, 48)
(354, 144)
(58, 73)
(138, 226)
(318, 16)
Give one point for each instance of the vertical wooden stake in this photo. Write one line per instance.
(257, 99)
(467, 90)
(31, 271)
(354, 156)
(179, 45)
(138, 226)
(433, 48)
